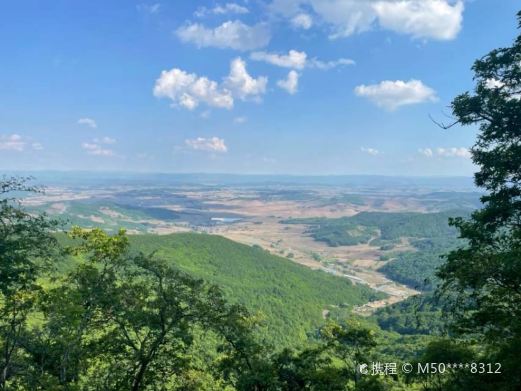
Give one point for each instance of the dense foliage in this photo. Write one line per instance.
(421, 314)
(27, 248)
(418, 269)
(91, 312)
(116, 320)
(102, 312)
(288, 296)
(487, 272)
(429, 234)
(366, 226)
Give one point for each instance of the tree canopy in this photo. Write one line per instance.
(487, 271)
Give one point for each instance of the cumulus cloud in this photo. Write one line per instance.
(436, 19)
(188, 90)
(242, 84)
(226, 9)
(98, 146)
(88, 122)
(298, 60)
(213, 144)
(17, 143)
(230, 34)
(429, 19)
(294, 59)
(302, 21)
(392, 94)
(460, 152)
(240, 120)
(370, 151)
(290, 84)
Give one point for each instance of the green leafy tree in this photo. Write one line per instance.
(444, 352)
(312, 368)
(26, 251)
(350, 342)
(333, 363)
(127, 321)
(487, 271)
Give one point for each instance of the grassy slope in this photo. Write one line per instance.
(290, 296)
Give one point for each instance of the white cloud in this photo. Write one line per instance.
(149, 8)
(392, 94)
(290, 84)
(240, 120)
(302, 21)
(97, 148)
(327, 65)
(228, 8)
(17, 143)
(294, 59)
(370, 151)
(459, 152)
(434, 19)
(298, 60)
(242, 84)
(188, 90)
(454, 152)
(213, 144)
(88, 122)
(233, 35)
(426, 152)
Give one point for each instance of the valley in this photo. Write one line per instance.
(280, 218)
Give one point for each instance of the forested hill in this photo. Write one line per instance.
(291, 297)
(386, 226)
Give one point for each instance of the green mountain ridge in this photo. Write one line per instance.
(290, 297)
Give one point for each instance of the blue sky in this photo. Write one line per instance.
(278, 86)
